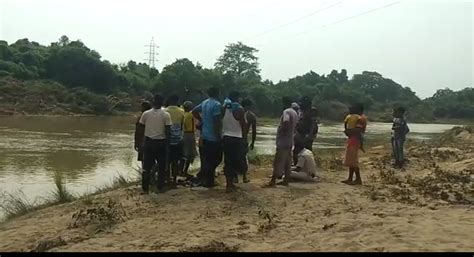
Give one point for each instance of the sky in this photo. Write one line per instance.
(425, 45)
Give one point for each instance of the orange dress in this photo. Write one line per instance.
(351, 156)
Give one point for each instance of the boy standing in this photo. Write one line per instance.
(250, 123)
(189, 138)
(399, 131)
(176, 137)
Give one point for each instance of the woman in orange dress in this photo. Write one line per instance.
(353, 143)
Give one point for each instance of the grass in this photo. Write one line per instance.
(87, 199)
(60, 193)
(259, 159)
(121, 181)
(15, 205)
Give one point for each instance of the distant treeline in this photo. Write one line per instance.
(76, 77)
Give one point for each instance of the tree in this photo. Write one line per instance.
(181, 76)
(239, 60)
(63, 41)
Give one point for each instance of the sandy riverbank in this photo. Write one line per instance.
(428, 207)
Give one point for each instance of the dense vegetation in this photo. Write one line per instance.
(69, 76)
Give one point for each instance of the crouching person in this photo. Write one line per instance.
(305, 170)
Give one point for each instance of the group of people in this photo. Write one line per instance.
(168, 135)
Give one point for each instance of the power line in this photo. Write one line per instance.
(294, 21)
(151, 53)
(349, 18)
(364, 13)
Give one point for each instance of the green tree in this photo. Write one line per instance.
(239, 60)
(181, 77)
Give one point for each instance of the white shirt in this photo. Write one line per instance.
(306, 162)
(155, 121)
(230, 126)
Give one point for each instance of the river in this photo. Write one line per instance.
(91, 151)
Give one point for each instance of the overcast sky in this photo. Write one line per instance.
(425, 45)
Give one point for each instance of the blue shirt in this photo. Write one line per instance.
(209, 109)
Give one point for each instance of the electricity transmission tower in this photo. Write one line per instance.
(151, 53)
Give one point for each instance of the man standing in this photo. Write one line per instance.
(233, 126)
(176, 137)
(139, 137)
(284, 143)
(251, 123)
(155, 125)
(209, 115)
(304, 128)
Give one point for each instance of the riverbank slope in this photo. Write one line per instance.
(426, 207)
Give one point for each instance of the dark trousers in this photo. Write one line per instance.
(233, 156)
(175, 158)
(301, 144)
(155, 151)
(211, 158)
(397, 147)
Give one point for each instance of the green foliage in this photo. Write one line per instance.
(239, 60)
(86, 84)
(449, 104)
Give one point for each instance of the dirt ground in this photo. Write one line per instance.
(426, 207)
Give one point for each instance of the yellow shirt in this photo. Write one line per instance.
(351, 120)
(189, 124)
(176, 113)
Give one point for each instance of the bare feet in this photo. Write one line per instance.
(231, 189)
(356, 183)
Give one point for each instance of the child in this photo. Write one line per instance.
(176, 141)
(351, 121)
(189, 138)
(400, 130)
(139, 137)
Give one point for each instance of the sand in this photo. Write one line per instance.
(326, 216)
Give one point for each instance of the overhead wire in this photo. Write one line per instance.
(348, 18)
(293, 21)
